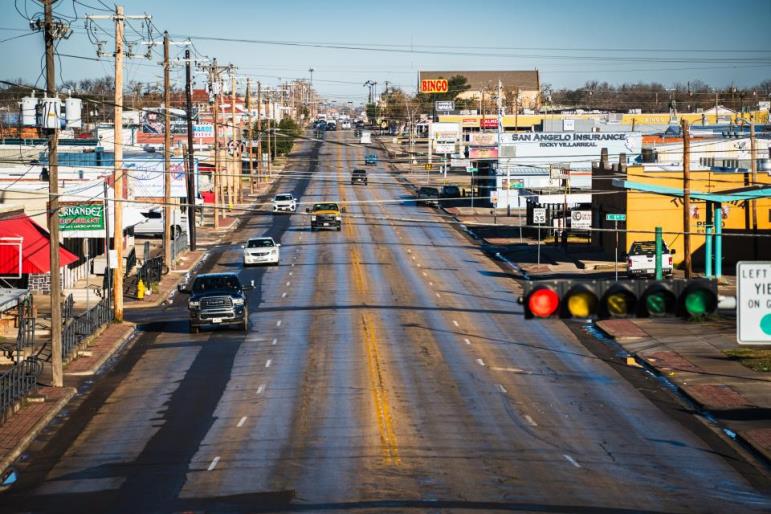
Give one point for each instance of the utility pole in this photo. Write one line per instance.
(119, 18)
(753, 182)
(270, 123)
(57, 371)
(167, 235)
(214, 80)
(234, 178)
(249, 146)
(260, 170)
(190, 177)
(686, 197)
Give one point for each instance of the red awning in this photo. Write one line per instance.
(35, 248)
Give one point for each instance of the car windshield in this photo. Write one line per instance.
(451, 190)
(429, 190)
(325, 207)
(282, 198)
(646, 247)
(216, 283)
(260, 243)
(359, 172)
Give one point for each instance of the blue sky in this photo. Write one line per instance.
(570, 42)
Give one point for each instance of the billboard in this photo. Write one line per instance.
(444, 136)
(434, 86)
(146, 177)
(576, 149)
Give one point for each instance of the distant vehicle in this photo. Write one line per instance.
(321, 125)
(152, 226)
(217, 299)
(326, 215)
(261, 250)
(450, 195)
(641, 260)
(360, 176)
(358, 123)
(345, 125)
(331, 125)
(370, 159)
(284, 202)
(366, 137)
(428, 196)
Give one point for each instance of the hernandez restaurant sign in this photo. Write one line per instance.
(81, 217)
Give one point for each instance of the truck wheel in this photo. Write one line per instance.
(339, 228)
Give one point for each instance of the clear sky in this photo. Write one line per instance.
(570, 42)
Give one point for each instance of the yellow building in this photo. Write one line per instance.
(651, 196)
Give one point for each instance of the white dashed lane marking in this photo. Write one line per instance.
(241, 422)
(268, 363)
(571, 460)
(530, 420)
(278, 323)
(261, 388)
(275, 340)
(455, 323)
(501, 388)
(283, 295)
(214, 463)
(467, 341)
(480, 362)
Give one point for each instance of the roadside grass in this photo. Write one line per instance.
(757, 359)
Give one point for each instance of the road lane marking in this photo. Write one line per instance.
(466, 340)
(261, 388)
(530, 420)
(425, 274)
(278, 323)
(501, 388)
(431, 284)
(291, 273)
(480, 362)
(275, 340)
(455, 323)
(283, 295)
(241, 422)
(510, 370)
(438, 295)
(268, 362)
(288, 284)
(571, 460)
(214, 463)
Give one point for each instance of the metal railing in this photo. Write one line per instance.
(68, 308)
(16, 383)
(131, 261)
(151, 271)
(179, 245)
(76, 330)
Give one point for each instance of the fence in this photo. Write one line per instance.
(76, 330)
(16, 383)
(179, 245)
(151, 271)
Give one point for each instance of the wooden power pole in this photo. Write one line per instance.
(190, 176)
(117, 175)
(260, 170)
(168, 236)
(686, 197)
(57, 373)
(234, 177)
(217, 178)
(753, 182)
(249, 145)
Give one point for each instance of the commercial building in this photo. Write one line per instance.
(522, 89)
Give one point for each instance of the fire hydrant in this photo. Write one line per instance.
(140, 290)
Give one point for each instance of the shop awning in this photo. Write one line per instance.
(35, 248)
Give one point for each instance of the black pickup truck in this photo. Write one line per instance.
(217, 299)
(360, 176)
(428, 196)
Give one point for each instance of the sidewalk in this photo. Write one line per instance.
(698, 365)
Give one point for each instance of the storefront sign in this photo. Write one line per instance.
(483, 153)
(483, 139)
(434, 86)
(581, 219)
(487, 123)
(81, 217)
(469, 122)
(444, 106)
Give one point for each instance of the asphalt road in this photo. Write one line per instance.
(387, 368)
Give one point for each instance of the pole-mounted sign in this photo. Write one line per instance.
(434, 86)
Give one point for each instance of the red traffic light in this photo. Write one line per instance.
(543, 302)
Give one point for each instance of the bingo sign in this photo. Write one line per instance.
(434, 86)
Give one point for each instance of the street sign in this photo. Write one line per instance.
(471, 169)
(539, 215)
(615, 217)
(581, 219)
(753, 302)
(427, 166)
(444, 105)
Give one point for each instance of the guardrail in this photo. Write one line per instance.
(16, 383)
(76, 330)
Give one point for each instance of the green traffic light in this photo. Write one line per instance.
(697, 302)
(656, 303)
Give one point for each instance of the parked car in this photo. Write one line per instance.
(284, 202)
(217, 299)
(331, 125)
(261, 250)
(370, 159)
(641, 259)
(428, 196)
(152, 226)
(359, 176)
(326, 215)
(450, 195)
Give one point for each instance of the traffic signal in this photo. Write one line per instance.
(604, 299)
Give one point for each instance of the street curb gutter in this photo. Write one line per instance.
(35, 431)
(725, 430)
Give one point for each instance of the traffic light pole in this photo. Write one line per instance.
(615, 263)
(659, 252)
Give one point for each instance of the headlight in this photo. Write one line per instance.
(193, 304)
(338, 218)
(238, 301)
(313, 218)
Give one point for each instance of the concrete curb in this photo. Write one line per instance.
(160, 297)
(725, 429)
(39, 426)
(93, 370)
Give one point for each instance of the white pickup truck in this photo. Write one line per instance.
(641, 259)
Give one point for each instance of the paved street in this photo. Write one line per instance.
(387, 368)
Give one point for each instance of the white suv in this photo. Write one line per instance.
(284, 202)
(261, 250)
